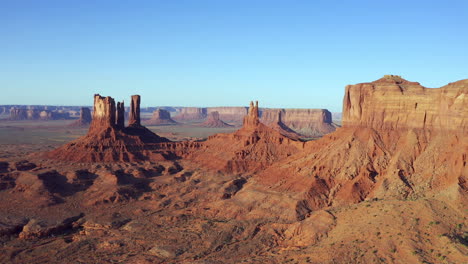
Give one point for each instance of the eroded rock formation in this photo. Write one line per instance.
(134, 119)
(107, 140)
(36, 114)
(252, 148)
(229, 114)
(161, 117)
(393, 145)
(214, 121)
(85, 118)
(307, 122)
(191, 114)
(393, 102)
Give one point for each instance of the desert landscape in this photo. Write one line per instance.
(213, 132)
(389, 186)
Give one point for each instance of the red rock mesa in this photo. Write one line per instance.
(214, 121)
(161, 117)
(398, 140)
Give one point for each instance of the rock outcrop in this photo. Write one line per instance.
(134, 119)
(381, 152)
(252, 148)
(107, 140)
(307, 122)
(214, 121)
(85, 118)
(191, 114)
(229, 114)
(161, 117)
(393, 103)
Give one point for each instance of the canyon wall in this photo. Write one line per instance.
(393, 103)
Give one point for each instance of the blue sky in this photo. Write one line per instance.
(297, 54)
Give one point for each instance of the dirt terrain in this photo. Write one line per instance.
(381, 189)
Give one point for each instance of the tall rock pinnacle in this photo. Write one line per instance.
(251, 120)
(120, 115)
(134, 119)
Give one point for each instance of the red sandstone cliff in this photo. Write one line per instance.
(392, 102)
(399, 141)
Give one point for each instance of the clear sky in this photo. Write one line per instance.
(297, 54)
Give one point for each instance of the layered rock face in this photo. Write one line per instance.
(189, 114)
(107, 139)
(214, 121)
(229, 114)
(393, 103)
(307, 122)
(85, 118)
(399, 141)
(161, 117)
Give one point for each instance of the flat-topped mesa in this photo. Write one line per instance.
(213, 120)
(161, 117)
(395, 103)
(134, 119)
(307, 122)
(120, 123)
(252, 117)
(190, 114)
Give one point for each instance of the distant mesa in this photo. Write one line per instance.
(36, 114)
(214, 121)
(161, 117)
(84, 120)
(191, 114)
(303, 122)
(108, 139)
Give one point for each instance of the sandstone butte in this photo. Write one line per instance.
(305, 122)
(399, 140)
(161, 117)
(190, 114)
(107, 138)
(213, 120)
(85, 118)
